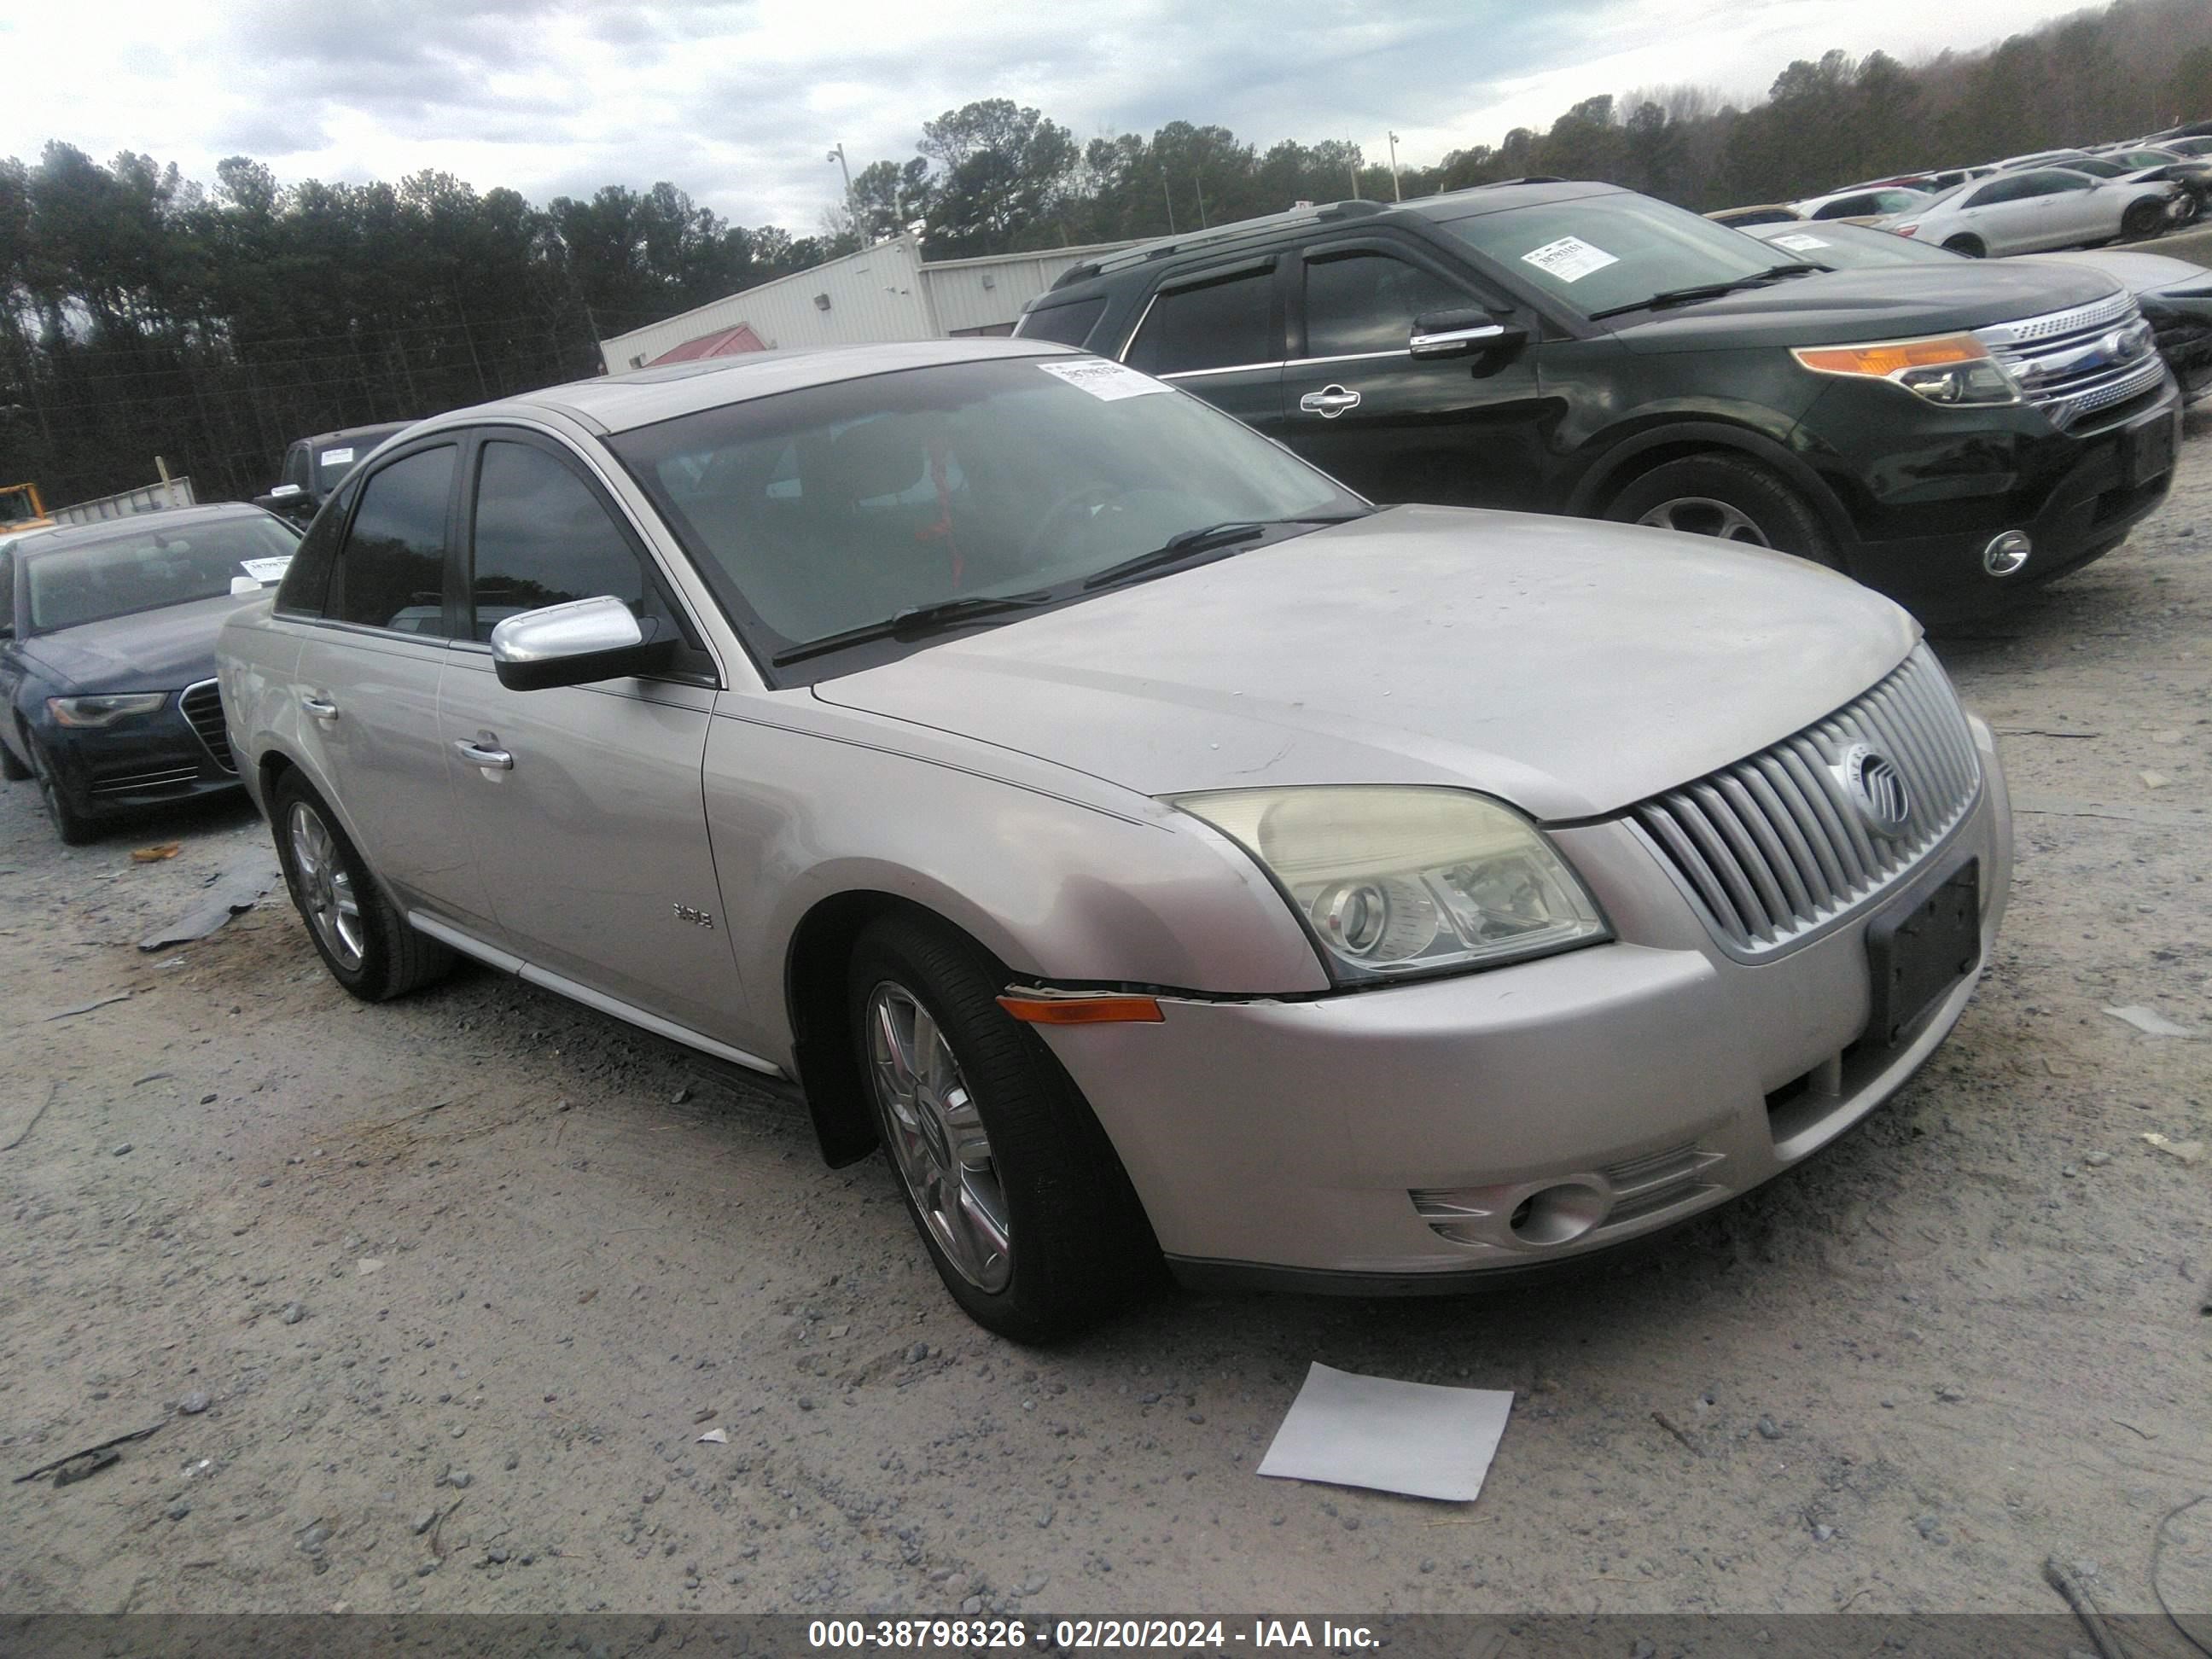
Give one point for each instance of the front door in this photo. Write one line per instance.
(584, 804)
(1459, 430)
(1218, 333)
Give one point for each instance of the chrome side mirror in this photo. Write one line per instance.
(576, 643)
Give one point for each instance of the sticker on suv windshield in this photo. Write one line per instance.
(1570, 259)
(334, 456)
(1102, 379)
(266, 570)
(1799, 243)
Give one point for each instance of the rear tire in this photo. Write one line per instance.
(1729, 497)
(1018, 1196)
(1971, 246)
(359, 933)
(71, 823)
(2141, 219)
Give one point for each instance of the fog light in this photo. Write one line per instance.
(2007, 553)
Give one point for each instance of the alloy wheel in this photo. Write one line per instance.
(1701, 515)
(937, 1138)
(325, 886)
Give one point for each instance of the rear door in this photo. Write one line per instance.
(1219, 332)
(583, 803)
(367, 682)
(1464, 430)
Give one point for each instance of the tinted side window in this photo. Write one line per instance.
(542, 538)
(2005, 189)
(306, 589)
(1216, 325)
(1367, 302)
(1069, 324)
(2061, 184)
(392, 571)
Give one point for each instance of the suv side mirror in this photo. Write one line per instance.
(576, 643)
(1461, 333)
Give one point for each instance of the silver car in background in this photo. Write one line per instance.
(1159, 851)
(2031, 209)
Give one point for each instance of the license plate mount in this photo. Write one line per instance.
(2150, 452)
(1919, 949)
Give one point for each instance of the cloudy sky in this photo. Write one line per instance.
(739, 102)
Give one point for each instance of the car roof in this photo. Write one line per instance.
(380, 430)
(1226, 238)
(621, 402)
(63, 537)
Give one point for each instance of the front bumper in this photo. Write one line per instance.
(147, 760)
(1929, 489)
(1384, 1140)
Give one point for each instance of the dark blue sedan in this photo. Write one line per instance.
(108, 631)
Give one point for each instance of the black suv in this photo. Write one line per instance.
(313, 467)
(1943, 435)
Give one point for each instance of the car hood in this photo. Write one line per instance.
(1888, 302)
(164, 650)
(2139, 273)
(1569, 666)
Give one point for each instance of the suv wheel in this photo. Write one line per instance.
(362, 938)
(1728, 497)
(1970, 246)
(1018, 1194)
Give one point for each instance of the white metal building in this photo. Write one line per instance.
(882, 293)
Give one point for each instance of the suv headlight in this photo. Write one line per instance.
(1393, 881)
(1954, 370)
(104, 710)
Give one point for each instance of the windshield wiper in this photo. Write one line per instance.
(915, 623)
(1205, 540)
(1682, 296)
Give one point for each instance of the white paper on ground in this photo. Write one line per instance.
(1411, 1437)
(2149, 1021)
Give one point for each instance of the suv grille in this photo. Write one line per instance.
(202, 707)
(2072, 364)
(1774, 848)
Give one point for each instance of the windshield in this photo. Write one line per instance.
(820, 511)
(1851, 247)
(149, 568)
(1599, 254)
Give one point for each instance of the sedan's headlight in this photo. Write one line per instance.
(1955, 369)
(104, 710)
(1394, 881)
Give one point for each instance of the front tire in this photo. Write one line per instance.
(359, 933)
(2141, 219)
(1730, 498)
(1016, 1192)
(70, 823)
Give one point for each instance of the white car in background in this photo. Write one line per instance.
(1863, 204)
(2039, 208)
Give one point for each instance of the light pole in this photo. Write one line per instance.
(838, 156)
(1396, 193)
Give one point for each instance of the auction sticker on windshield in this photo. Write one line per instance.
(1797, 243)
(1106, 381)
(333, 457)
(1570, 259)
(266, 570)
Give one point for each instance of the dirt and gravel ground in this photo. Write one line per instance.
(455, 1285)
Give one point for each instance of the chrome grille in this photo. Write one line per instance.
(1774, 849)
(2074, 363)
(203, 708)
(146, 783)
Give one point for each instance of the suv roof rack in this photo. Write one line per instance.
(1121, 259)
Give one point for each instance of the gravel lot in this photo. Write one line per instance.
(433, 1300)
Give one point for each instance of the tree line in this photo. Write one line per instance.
(147, 313)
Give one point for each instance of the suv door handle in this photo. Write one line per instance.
(321, 707)
(496, 759)
(1329, 402)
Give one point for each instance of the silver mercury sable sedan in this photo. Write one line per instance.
(1159, 850)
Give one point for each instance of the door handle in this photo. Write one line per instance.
(1329, 402)
(484, 754)
(321, 707)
